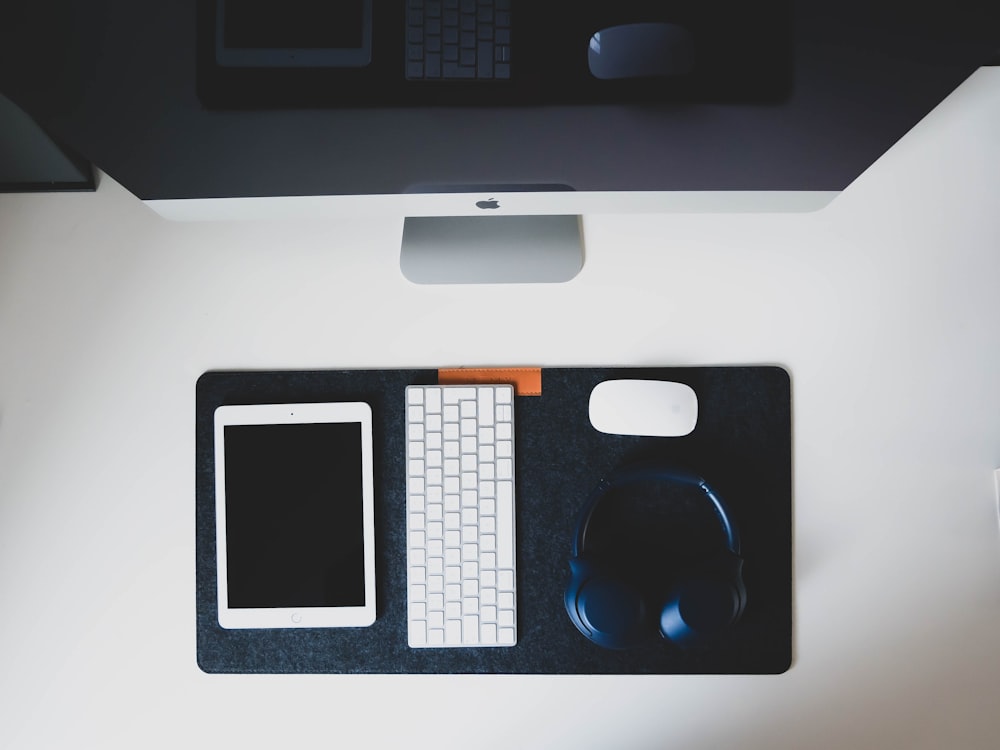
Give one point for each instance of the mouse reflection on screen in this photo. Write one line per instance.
(641, 50)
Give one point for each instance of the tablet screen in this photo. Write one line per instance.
(292, 517)
(263, 24)
(293, 33)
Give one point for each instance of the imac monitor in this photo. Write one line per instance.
(473, 211)
(770, 106)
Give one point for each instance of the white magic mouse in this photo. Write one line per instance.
(658, 408)
(639, 50)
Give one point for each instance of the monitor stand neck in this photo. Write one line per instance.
(491, 249)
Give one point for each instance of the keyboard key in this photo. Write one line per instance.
(488, 634)
(505, 468)
(470, 627)
(484, 66)
(418, 633)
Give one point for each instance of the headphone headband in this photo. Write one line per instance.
(634, 474)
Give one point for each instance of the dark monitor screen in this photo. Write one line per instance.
(137, 90)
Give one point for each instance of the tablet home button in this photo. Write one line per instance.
(296, 617)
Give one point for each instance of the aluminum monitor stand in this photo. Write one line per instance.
(491, 249)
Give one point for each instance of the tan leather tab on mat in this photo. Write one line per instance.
(527, 381)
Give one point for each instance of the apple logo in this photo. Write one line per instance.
(491, 203)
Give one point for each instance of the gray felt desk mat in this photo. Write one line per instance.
(741, 445)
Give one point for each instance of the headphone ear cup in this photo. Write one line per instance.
(605, 609)
(700, 609)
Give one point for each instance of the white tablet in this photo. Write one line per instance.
(300, 34)
(294, 514)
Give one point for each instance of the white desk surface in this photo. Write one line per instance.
(885, 307)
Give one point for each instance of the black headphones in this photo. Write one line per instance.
(614, 612)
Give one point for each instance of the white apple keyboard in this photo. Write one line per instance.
(460, 516)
